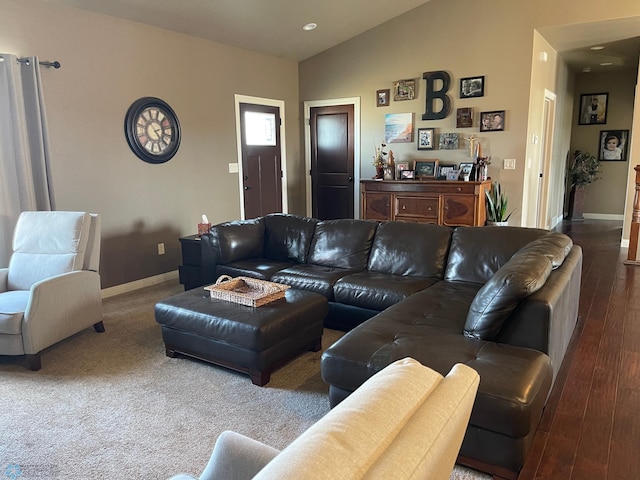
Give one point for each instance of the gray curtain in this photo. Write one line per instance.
(25, 180)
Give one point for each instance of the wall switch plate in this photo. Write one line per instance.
(509, 163)
(161, 249)
(233, 168)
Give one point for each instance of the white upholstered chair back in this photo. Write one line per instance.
(46, 244)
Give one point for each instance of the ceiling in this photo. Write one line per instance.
(273, 27)
(620, 39)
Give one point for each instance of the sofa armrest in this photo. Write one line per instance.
(545, 320)
(236, 457)
(4, 274)
(59, 307)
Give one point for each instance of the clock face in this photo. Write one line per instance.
(152, 130)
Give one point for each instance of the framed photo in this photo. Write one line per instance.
(404, 89)
(426, 139)
(492, 121)
(464, 117)
(471, 87)
(382, 98)
(613, 145)
(407, 174)
(398, 128)
(426, 168)
(465, 170)
(593, 108)
(445, 170)
(401, 167)
(449, 141)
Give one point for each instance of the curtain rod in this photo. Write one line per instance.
(46, 63)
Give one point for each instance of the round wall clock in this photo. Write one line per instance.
(152, 130)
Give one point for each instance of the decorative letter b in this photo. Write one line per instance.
(433, 95)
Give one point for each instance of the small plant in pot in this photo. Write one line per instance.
(496, 203)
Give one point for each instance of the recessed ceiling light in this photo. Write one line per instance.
(586, 69)
(310, 26)
(606, 64)
(597, 47)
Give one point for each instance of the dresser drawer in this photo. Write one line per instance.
(417, 206)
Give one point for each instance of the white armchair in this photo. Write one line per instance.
(51, 289)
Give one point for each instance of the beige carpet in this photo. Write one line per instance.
(113, 406)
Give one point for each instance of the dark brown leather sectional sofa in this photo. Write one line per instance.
(503, 300)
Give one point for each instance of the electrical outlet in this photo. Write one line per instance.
(161, 249)
(509, 163)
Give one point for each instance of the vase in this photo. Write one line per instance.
(497, 224)
(379, 171)
(576, 204)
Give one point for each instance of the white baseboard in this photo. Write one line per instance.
(603, 216)
(144, 282)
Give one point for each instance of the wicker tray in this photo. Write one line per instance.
(246, 291)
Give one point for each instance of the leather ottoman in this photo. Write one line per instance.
(253, 340)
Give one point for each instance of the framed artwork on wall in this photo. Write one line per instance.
(449, 141)
(464, 117)
(593, 109)
(492, 121)
(404, 89)
(426, 139)
(398, 128)
(471, 87)
(613, 145)
(382, 98)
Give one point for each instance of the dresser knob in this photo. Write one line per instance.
(459, 189)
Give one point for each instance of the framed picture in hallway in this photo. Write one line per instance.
(613, 145)
(593, 108)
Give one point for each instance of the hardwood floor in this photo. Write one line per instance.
(591, 426)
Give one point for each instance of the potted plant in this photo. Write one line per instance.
(496, 203)
(582, 169)
(379, 160)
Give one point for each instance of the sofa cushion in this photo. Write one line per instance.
(525, 273)
(315, 278)
(554, 245)
(239, 240)
(261, 268)
(478, 252)
(422, 251)
(342, 243)
(377, 291)
(287, 238)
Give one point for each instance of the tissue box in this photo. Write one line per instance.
(203, 228)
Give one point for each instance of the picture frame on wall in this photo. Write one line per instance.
(404, 89)
(426, 138)
(593, 109)
(383, 97)
(492, 121)
(398, 128)
(426, 169)
(449, 141)
(471, 87)
(613, 145)
(464, 117)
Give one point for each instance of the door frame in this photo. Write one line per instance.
(546, 155)
(308, 105)
(283, 148)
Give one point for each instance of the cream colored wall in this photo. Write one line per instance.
(492, 38)
(605, 198)
(108, 63)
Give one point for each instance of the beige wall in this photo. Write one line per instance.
(108, 63)
(494, 38)
(605, 198)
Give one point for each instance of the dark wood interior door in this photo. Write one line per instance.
(261, 159)
(332, 162)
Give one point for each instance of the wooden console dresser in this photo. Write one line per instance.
(427, 201)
